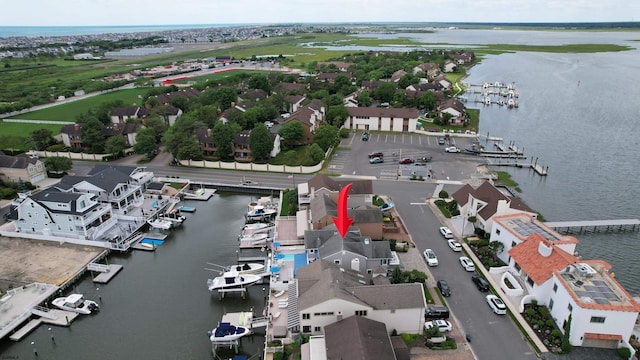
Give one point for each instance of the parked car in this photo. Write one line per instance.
(430, 257)
(467, 264)
(452, 149)
(406, 161)
(442, 325)
(419, 164)
(454, 245)
(375, 154)
(444, 288)
(434, 312)
(365, 137)
(387, 206)
(425, 158)
(480, 282)
(496, 304)
(446, 232)
(440, 141)
(376, 160)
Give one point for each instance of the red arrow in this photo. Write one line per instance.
(342, 221)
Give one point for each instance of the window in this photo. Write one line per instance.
(598, 319)
(317, 329)
(570, 307)
(306, 316)
(361, 312)
(306, 329)
(551, 304)
(497, 231)
(555, 287)
(529, 281)
(513, 243)
(337, 262)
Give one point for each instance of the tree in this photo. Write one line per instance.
(260, 142)
(41, 139)
(259, 81)
(92, 138)
(364, 99)
(565, 345)
(180, 101)
(385, 92)
(145, 141)
(315, 153)
(115, 145)
(190, 149)
(157, 125)
(292, 132)
(326, 136)
(406, 80)
(223, 135)
(58, 164)
(337, 114)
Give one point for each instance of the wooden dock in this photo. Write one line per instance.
(106, 272)
(513, 161)
(569, 227)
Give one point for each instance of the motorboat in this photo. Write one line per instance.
(256, 226)
(259, 212)
(230, 280)
(76, 303)
(175, 219)
(160, 224)
(246, 268)
(254, 238)
(227, 332)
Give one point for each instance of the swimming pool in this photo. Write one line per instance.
(299, 260)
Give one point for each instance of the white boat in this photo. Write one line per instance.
(254, 238)
(259, 212)
(227, 332)
(175, 219)
(256, 226)
(230, 280)
(246, 268)
(160, 224)
(76, 303)
(263, 229)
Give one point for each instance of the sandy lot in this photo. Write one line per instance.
(25, 261)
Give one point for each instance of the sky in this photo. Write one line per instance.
(167, 12)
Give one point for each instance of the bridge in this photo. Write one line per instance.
(593, 226)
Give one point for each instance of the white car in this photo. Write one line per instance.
(454, 245)
(496, 304)
(446, 232)
(467, 264)
(452, 149)
(443, 325)
(430, 257)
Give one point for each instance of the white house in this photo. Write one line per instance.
(55, 213)
(382, 119)
(542, 266)
(328, 293)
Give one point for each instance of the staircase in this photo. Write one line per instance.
(293, 318)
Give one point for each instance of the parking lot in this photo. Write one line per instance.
(354, 159)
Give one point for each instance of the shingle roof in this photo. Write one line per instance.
(358, 338)
(410, 113)
(16, 162)
(321, 181)
(293, 86)
(129, 111)
(488, 193)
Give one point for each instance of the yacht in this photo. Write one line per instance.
(227, 332)
(229, 280)
(76, 303)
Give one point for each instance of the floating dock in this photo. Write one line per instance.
(106, 272)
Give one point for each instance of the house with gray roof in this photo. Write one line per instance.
(22, 168)
(111, 185)
(53, 213)
(354, 251)
(323, 208)
(358, 338)
(328, 293)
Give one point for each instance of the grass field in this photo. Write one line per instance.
(13, 135)
(69, 111)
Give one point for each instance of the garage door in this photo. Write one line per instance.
(37, 178)
(600, 343)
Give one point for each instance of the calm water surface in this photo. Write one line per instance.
(158, 306)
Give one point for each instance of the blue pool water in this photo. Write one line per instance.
(155, 242)
(299, 260)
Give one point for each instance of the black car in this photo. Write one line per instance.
(365, 137)
(434, 312)
(444, 288)
(481, 283)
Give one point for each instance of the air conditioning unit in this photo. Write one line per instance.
(585, 270)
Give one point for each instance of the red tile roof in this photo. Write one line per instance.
(540, 268)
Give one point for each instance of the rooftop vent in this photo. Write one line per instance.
(585, 270)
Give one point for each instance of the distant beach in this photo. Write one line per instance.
(52, 31)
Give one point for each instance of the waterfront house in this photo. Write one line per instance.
(323, 208)
(328, 292)
(22, 168)
(382, 119)
(110, 185)
(354, 251)
(63, 214)
(487, 201)
(602, 313)
(360, 194)
(358, 337)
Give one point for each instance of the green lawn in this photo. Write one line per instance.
(13, 135)
(69, 111)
